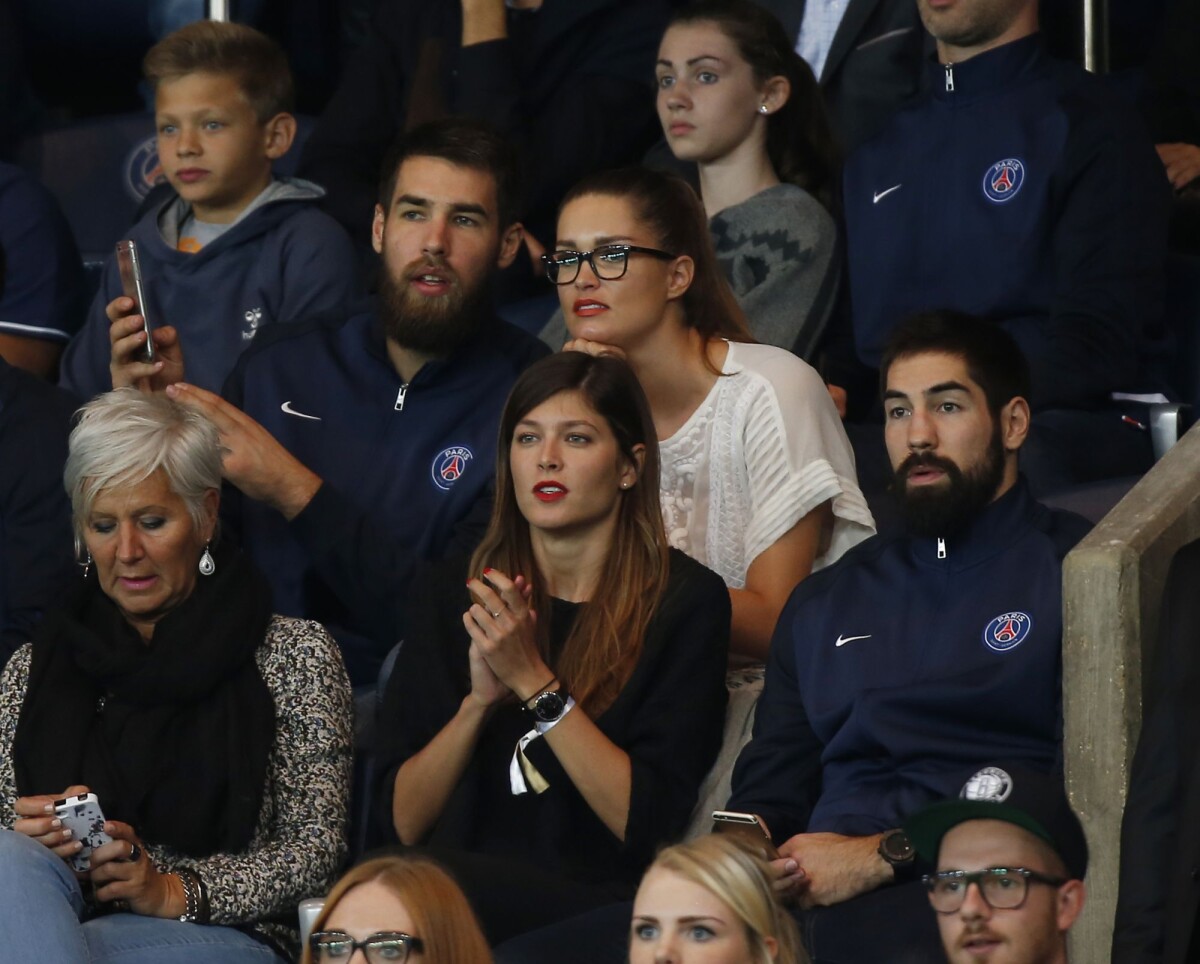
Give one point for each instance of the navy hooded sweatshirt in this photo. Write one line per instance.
(286, 261)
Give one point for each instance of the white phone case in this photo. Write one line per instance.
(86, 820)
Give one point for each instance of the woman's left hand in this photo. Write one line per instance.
(135, 881)
(502, 626)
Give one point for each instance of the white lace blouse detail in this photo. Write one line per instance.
(764, 449)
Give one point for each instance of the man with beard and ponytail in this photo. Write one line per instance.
(917, 655)
(366, 445)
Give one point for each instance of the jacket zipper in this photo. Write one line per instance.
(941, 548)
(400, 396)
(949, 78)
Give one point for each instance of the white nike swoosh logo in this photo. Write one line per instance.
(843, 640)
(880, 195)
(286, 407)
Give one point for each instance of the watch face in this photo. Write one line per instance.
(549, 707)
(897, 848)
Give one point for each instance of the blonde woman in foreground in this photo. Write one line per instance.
(710, 902)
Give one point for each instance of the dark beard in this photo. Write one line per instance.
(431, 326)
(937, 511)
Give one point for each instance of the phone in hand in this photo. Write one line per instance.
(750, 828)
(83, 815)
(132, 284)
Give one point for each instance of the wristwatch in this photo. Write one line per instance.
(548, 707)
(898, 850)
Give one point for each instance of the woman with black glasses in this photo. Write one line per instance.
(758, 479)
(397, 909)
(547, 726)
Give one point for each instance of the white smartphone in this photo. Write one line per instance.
(86, 820)
(748, 826)
(133, 286)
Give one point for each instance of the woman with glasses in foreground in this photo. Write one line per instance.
(548, 725)
(758, 479)
(397, 909)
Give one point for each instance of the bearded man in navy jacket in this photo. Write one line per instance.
(915, 657)
(367, 444)
(1022, 190)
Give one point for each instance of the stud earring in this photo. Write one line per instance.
(762, 109)
(207, 566)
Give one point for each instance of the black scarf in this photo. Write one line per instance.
(172, 736)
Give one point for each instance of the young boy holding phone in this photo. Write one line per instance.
(234, 248)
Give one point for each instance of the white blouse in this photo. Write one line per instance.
(764, 449)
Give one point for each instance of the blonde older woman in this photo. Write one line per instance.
(215, 735)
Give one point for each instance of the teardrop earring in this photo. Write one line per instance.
(207, 565)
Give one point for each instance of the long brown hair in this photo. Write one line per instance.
(441, 916)
(606, 640)
(800, 140)
(667, 205)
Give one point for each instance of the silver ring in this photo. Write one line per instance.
(135, 853)
(495, 615)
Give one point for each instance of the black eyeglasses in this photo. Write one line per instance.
(1003, 888)
(384, 947)
(609, 261)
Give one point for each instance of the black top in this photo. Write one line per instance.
(36, 559)
(572, 86)
(1159, 903)
(669, 719)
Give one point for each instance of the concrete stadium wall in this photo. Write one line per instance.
(1112, 590)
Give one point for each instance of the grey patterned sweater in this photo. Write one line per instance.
(300, 839)
(780, 253)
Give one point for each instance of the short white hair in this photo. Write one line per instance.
(124, 436)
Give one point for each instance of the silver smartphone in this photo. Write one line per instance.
(85, 818)
(133, 286)
(750, 827)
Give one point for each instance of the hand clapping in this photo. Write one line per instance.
(502, 630)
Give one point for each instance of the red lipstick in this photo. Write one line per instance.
(550, 491)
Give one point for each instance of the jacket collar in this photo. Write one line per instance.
(999, 525)
(439, 369)
(989, 72)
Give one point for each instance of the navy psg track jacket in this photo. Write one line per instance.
(407, 468)
(1023, 190)
(904, 665)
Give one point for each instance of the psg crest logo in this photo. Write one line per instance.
(142, 170)
(1003, 180)
(449, 465)
(1006, 631)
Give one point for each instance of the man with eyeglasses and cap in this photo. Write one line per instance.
(1010, 857)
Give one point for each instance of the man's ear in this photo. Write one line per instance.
(1014, 424)
(510, 244)
(377, 229)
(280, 132)
(1071, 897)
(681, 271)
